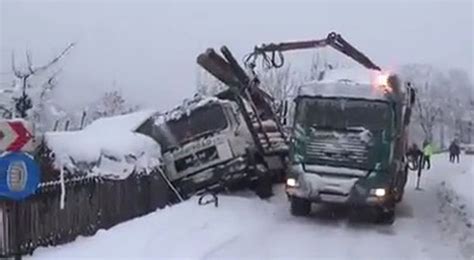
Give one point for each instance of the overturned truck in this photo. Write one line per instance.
(232, 140)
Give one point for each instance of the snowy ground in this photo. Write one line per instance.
(456, 194)
(243, 227)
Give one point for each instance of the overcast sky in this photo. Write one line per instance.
(148, 48)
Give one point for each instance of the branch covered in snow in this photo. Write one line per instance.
(30, 96)
(444, 100)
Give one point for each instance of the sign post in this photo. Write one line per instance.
(19, 172)
(19, 176)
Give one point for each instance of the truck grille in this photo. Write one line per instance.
(350, 151)
(197, 159)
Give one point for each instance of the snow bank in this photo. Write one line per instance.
(107, 147)
(464, 186)
(456, 195)
(350, 83)
(244, 227)
(184, 231)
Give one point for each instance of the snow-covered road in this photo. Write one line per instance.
(243, 227)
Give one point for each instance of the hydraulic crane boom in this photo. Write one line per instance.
(244, 86)
(333, 39)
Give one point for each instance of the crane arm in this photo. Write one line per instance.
(333, 39)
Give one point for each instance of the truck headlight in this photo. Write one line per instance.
(290, 182)
(379, 192)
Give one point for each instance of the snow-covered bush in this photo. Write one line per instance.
(111, 103)
(444, 98)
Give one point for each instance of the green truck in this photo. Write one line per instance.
(349, 132)
(349, 142)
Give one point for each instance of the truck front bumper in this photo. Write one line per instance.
(216, 177)
(357, 196)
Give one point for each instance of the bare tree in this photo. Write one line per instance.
(428, 113)
(111, 103)
(443, 98)
(22, 100)
(319, 65)
(280, 83)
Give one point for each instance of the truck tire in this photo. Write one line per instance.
(300, 207)
(385, 216)
(279, 176)
(264, 188)
(399, 196)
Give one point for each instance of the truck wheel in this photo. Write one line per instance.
(264, 187)
(279, 176)
(400, 193)
(385, 215)
(399, 196)
(300, 207)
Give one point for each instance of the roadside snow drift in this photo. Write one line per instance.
(245, 227)
(456, 193)
(108, 147)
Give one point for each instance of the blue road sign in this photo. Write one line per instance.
(19, 176)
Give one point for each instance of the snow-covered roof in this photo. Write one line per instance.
(349, 83)
(128, 122)
(107, 147)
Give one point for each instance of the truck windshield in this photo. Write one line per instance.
(341, 132)
(332, 113)
(200, 122)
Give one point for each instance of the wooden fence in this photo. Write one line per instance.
(91, 204)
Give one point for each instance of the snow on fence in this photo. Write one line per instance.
(92, 203)
(109, 174)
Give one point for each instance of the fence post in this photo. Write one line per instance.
(83, 119)
(16, 210)
(66, 127)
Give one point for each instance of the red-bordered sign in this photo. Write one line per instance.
(16, 135)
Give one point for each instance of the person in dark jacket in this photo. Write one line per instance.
(457, 151)
(452, 151)
(414, 154)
